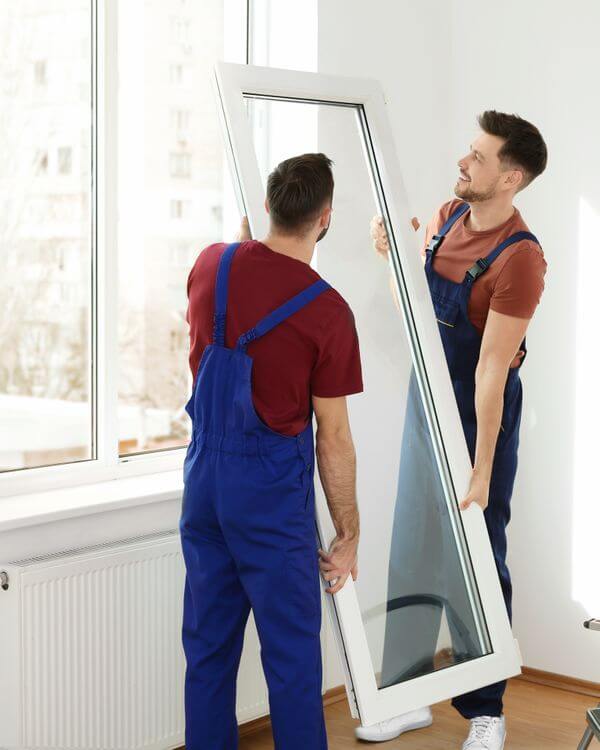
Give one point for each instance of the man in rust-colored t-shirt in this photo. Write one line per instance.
(513, 284)
(485, 272)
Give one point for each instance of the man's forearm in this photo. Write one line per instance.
(490, 381)
(336, 460)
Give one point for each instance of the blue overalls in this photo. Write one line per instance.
(462, 343)
(248, 540)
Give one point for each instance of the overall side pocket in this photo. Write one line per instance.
(446, 311)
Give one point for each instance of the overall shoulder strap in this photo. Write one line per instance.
(280, 314)
(482, 264)
(437, 239)
(221, 286)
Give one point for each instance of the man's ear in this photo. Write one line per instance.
(326, 217)
(267, 209)
(515, 179)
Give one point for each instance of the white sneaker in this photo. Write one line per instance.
(487, 733)
(387, 730)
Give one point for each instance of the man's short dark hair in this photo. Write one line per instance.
(524, 146)
(298, 190)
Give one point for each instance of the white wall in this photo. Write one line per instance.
(399, 43)
(441, 63)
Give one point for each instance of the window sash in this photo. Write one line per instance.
(370, 704)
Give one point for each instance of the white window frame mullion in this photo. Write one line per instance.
(106, 247)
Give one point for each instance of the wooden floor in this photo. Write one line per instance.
(537, 718)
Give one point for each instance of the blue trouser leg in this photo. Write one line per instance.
(282, 581)
(215, 612)
(291, 653)
(487, 701)
(270, 530)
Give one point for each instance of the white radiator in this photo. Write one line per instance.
(91, 655)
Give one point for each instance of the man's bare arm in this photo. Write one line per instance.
(336, 459)
(501, 340)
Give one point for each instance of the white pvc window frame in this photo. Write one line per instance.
(105, 463)
(233, 83)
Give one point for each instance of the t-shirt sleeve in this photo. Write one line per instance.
(187, 290)
(337, 371)
(520, 283)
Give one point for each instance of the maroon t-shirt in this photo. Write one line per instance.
(315, 351)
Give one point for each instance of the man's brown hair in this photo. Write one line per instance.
(298, 190)
(524, 146)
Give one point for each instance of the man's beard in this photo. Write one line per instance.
(472, 196)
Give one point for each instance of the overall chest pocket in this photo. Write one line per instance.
(446, 310)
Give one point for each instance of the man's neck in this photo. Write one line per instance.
(300, 249)
(489, 214)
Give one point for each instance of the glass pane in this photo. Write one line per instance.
(175, 198)
(45, 233)
(414, 588)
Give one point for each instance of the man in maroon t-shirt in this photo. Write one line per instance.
(308, 363)
(312, 360)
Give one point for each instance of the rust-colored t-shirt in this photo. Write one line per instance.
(512, 285)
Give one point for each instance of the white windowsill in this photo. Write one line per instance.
(53, 505)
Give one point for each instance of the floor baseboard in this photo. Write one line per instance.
(559, 681)
(335, 695)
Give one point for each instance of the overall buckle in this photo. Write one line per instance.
(478, 268)
(435, 242)
(246, 338)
